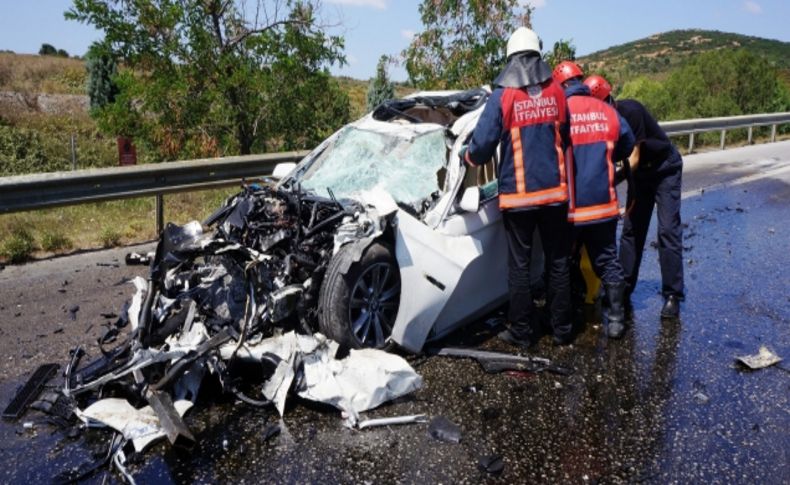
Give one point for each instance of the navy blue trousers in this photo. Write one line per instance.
(554, 230)
(659, 188)
(600, 238)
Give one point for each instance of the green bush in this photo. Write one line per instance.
(18, 246)
(110, 237)
(54, 241)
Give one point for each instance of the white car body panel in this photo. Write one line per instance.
(431, 265)
(453, 264)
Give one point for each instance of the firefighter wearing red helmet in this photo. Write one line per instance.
(599, 137)
(599, 87)
(658, 174)
(526, 117)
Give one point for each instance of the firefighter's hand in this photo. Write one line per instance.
(462, 153)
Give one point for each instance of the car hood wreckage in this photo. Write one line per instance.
(297, 287)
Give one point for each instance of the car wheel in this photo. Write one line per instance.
(358, 307)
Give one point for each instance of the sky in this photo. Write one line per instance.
(375, 27)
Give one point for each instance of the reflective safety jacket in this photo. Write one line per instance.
(599, 137)
(529, 125)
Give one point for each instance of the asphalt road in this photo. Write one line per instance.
(665, 404)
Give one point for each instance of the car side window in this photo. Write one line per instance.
(484, 177)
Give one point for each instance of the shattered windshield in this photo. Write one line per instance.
(403, 164)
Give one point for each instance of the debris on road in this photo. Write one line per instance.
(137, 259)
(495, 362)
(701, 397)
(370, 423)
(271, 431)
(764, 358)
(140, 426)
(72, 311)
(239, 306)
(30, 391)
(492, 464)
(442, 429)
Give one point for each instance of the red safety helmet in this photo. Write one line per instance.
(599, 87)
(566, 70)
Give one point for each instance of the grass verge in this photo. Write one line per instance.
(105, 224)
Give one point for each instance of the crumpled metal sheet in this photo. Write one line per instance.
(140, 426)
(137, 301)
(363, 380)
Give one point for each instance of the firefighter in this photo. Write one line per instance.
(657, 169)
(599, 137)
(526, 117)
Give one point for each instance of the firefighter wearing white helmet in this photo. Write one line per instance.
(523, 39)
(526, 117)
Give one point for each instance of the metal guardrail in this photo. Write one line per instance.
(702, 125)
(38, 191)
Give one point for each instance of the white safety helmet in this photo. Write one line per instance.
(523, 39)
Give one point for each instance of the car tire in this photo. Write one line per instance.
(357, 307)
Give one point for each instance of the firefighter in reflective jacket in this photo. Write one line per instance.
(526, 117)
(658, 174)
(599, 137)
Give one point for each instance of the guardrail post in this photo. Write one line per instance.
(160, 214)
(73, 154)
(773, 133)
(749, 141)
(723, 136)
(691, 142)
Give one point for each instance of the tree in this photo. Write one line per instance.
(102, 69)
(207, 77)
(463, 44)
(725, 83)
(563, 50)
(380, 88)
(651, 93)
(47, 50)
(62, 53)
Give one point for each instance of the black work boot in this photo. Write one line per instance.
(628, 308)
(616, 313)
(519, 336)
(671, 307)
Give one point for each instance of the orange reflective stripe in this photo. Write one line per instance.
(542, 197)
(610, 166)
(558, 146)
(518, 159)
(594, 212)
(571, 180)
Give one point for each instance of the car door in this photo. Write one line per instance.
(483, 283)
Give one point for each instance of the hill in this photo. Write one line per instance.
(657, 55)
(26, 75)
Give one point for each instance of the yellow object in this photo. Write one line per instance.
(590, 279)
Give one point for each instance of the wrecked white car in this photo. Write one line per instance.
(420, 249)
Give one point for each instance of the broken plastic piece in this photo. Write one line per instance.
(271, 431)
(175, 429)
(30, 391)
(282, 302)
(495, 362)
(492, 464)
(764, 358)
(443, 429)
(137, 259)
(140, 426)
(370, 423)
